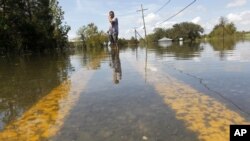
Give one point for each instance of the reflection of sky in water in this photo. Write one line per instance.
(202, 114)
(223, 77)
(230, 76)
(76, 61)
(240, 54)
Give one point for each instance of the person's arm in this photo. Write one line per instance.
(112, 20)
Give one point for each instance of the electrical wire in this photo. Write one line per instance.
(178, 12)
(158, 10)
(175, 13)
(138, 34)
(162, 6)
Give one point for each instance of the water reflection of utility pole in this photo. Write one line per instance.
(223, 40)
(136, 50)
(137, 34)
(146, 62)
(136, 53)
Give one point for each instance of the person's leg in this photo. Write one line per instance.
(115, 37)
(111, 39)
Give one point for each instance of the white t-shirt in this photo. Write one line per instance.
(114, 29)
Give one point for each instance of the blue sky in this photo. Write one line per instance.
(203, 12)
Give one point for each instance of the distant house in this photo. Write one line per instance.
(165, 42)
(164, 39)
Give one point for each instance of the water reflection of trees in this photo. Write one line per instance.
(92, 57)
(183, 51)
(223, 46)
(23, 81)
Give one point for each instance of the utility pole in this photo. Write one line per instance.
(135, 34)
(142, 11)
(145, 31)
(136, 41)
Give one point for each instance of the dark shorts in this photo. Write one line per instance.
(113, 38)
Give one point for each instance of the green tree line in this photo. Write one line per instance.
(90, 36)
(185, 30)
(190, 31)
(31, 26)
(223, 29)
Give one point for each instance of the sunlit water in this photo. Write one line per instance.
(178, 92)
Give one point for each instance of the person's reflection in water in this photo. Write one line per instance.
(116, 64)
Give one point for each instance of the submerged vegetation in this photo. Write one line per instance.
(31, 26)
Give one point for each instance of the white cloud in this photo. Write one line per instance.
(201, 8)
(196, 20)
(240, 18)
(236, 3)
(233, 17)
(79, 5)
(152, 18)
(208, 27)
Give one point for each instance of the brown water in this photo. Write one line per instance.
(179, 92)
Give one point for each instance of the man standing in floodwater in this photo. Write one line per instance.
(113, 29)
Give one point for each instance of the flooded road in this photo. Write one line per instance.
(179, 92)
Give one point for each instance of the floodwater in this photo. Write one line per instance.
(177, 92)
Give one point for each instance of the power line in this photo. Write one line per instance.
(162, 6)
(138, 34)
(158, 10)
(147, 14)
(178, 12)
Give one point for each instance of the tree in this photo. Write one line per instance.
(31, 25)
(60, 30)
(91, 37)
(133, 41)
(159, 33)
(185, 30)
(223, 29)
(123, 42)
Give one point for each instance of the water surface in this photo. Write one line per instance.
(183, 91)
